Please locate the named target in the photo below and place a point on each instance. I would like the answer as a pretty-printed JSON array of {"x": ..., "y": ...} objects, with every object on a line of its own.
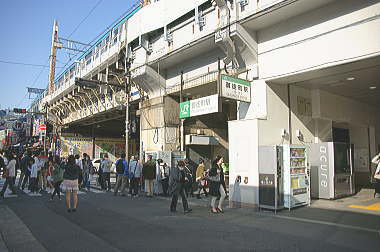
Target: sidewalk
[
  {"x": 15, "y": 235},
  {"x": 362, "y": 202}
]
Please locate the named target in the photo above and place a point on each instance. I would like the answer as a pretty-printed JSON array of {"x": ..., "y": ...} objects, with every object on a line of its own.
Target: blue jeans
[{"x": 86, "y": 180}]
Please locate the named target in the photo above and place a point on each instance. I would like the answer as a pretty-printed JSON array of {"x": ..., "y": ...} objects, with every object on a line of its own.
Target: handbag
[{"x": 377, "y": 176}]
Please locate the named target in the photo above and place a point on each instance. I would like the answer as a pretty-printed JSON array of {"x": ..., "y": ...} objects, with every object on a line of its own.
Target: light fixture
[
  {"x": 350, "y": 78},
  {"x": 372, "y": 88}
]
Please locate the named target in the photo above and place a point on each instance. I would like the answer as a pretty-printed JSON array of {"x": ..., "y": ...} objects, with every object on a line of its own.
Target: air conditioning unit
[
  {"x": 150, "y": 48},
  {"x": 243, "y": 3},
  {"x": 169, "y": 37},
  {"x": 202, "y": 21},
  {"x": 133, "y": 56}
]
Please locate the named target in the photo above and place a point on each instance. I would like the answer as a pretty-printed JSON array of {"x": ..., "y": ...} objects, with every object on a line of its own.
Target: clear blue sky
[{"x": 26, "y": 27}]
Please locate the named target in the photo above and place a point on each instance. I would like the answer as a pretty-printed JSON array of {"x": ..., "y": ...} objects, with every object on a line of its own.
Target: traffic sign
[{"x": 43, "y": 127}]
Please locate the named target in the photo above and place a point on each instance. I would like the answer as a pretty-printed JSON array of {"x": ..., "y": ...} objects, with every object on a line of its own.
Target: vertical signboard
[{"x": 235, "y": 88}]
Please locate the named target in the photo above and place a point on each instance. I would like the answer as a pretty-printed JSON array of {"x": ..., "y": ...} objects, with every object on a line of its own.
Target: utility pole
[
  {"x": 53, "y": 56},
  {"x": 182, "y": 129},
  {"x": 127, "y": 85}
]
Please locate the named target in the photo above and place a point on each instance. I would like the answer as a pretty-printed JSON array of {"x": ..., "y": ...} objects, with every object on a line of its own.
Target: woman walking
[
  {"x": 70, "y": 183},
  {"x": 216, "y": 177},
  {"x": 57, "y": 177},
  {"x": 376, "y": 160}
]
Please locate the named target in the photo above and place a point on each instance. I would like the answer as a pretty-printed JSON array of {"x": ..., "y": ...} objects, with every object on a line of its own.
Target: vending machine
[
  {"x": 331, "y": 170},
  {"x": 296, "y": 176},
  {"x": 271, "y": 195}
]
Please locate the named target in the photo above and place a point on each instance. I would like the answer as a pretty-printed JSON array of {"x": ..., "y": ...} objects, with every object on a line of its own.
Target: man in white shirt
[
  {"x": 33, "y": 185},
  {"x": 10, "y": 174}
]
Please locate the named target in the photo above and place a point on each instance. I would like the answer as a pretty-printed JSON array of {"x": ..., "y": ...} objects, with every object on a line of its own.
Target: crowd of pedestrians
[{"x": 54, "y": 174}]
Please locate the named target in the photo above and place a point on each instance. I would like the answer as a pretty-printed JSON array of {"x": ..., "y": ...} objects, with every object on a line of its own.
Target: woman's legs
[
  {"x": 68, "y": 197},
  {"x": 59, "y": 189},
  {"x": 55, "y": 190},
  {"x": 213, "y": 203},
  {"x": 75, "y": 196},
  {"x": 222, "y": 197}
]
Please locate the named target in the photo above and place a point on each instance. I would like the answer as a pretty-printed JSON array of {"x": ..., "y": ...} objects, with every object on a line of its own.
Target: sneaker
[
  {"x": 173, "y": 210},
  {"x": 188, "y": 210},
  {"x": 73, "y": 210},
  {"x": 69, "y": 210}
]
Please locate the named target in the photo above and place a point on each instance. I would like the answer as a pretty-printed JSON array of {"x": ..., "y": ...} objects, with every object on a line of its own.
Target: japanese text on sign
[{"x": 234, "y": 88}]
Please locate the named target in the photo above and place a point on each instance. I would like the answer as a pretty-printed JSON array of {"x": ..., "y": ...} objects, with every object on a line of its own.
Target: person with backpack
[
  {"x": 57, "y": 177},
  {"x": 9, "y": 174},
  {"x": 122, "y": 175}
]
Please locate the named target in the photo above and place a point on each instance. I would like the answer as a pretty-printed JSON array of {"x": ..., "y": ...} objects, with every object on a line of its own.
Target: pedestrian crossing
[{"x": 8, "y": 192}]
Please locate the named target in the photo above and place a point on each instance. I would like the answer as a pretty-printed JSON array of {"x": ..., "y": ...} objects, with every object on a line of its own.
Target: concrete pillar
[{"x": 159, "y": 124}]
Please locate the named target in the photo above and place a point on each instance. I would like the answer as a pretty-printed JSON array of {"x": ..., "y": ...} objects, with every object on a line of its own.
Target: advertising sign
[
  {"x": 201, "y": 106},
  {"x": 234, "y": 88},
  {"x": 75, "y": 145}
]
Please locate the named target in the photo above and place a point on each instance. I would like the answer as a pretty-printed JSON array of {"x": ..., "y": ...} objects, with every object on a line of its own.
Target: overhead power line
[
  {"x": 85, "y": 18},
  {"x": 33, "y": 84},
  {"x": 23, "y": 64},
  {"x": 76, "y": 28}
]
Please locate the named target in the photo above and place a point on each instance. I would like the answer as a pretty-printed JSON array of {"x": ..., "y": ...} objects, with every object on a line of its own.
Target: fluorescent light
[
  {"x": 372, "y": 88},
  {"x": 350, "y": 78}
]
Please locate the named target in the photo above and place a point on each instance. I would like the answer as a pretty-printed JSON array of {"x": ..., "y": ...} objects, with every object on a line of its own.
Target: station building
[{"x": 311, "y": 69}]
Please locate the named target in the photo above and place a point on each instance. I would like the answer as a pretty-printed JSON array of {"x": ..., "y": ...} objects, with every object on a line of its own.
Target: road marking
[
  {"x": 328, "y": 223},
  {"x": 96, "y": 191},
  {"x": 10, "y": 195},
  {"x": 375, "y": 207}
]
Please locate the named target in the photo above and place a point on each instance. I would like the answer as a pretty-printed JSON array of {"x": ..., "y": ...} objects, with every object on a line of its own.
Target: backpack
[{"x": 119, "y": 166}]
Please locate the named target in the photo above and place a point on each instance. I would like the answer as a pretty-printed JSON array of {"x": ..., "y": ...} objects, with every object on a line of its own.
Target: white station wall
[
  {"x": 243, "y": 162},
  {"x": 339, "y": 32}
]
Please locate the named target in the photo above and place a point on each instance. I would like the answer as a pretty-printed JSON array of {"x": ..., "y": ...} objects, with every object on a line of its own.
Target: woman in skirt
[
  {"x": 217, "y": 185},
  {"x": 70, "y": 183},
  {"x": 376, "y": 160}
]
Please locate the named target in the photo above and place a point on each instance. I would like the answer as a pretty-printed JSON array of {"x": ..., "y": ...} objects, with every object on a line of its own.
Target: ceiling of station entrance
[{"x": 358, "y": 80}]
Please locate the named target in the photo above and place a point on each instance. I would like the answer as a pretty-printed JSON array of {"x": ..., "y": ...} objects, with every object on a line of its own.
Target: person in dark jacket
[
  {"x": 57, "y": 177},
  {"x": 70, "y": 183},
  {"x": 177, "y": 180},
  {"x": 149, "y": 174},
  {"x": 25, "y": 173},
  {"x": 217, "y": 185}
]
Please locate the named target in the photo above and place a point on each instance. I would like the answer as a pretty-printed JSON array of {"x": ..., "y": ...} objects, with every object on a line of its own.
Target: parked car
[{"x": 96, "y": 164}]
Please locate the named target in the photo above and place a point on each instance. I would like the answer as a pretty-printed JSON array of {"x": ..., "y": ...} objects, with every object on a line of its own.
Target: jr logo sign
[{"x": 184, "y": 109}]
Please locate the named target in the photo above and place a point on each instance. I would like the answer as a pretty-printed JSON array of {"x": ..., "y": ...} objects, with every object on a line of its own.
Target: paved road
[{"x": 108, "y": 223}]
